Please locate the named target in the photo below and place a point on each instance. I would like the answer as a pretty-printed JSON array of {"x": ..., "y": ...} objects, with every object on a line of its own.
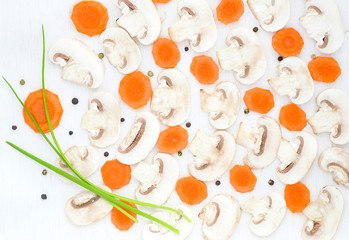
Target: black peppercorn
[
  {"x": 71, "y": 133},
  {"x": 280, "y": 58},
  {"x": 14, "y": 127},
  {"x": 255, "y": 29},
  {"x": 122, "y": 119},
  {"x": 218, "y": 182},
  {"x": 271, "y": 182},
  {"x": 43, "y": 196},
  {"x": 75, "y": 101},
  {"x": 106, "y": 154},
  {"x": 188, "y": 124},
  {"x": 186, "y": 49}
]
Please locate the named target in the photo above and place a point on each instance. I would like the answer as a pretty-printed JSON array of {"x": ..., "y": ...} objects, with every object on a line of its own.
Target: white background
[{"x": 23, "y": 215}]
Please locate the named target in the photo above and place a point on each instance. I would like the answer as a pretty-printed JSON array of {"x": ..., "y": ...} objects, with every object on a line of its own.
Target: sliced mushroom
[
  {"x": 244, "y": 55},
  {"x": 120, "y": 49},
  {"x": 212, "y": 155},
  {"x": 267, "y": 213},
  {"x": 80, "y": 63},
  {"x": 262, "y": 142},
  {"x": 87, "y": 207},
  {"x": 171, "y": 99},
  {"x": 102, "y": 120},
  {"x": 294, "y": 81},
  {"x": 323, "y": 215},
  {"x": 140, "y": 140},
  {"x": 223, "y": 105},
  {"x": 323, "y": 23},
  {"x": 196, "y": 25},
  {"x": 219, "y": 217},
  {"x": 140, "y": 19},
  {"x": 332, "y": 115}
]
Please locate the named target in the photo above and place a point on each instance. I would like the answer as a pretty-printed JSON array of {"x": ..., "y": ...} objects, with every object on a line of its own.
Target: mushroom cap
[
  {"x": 267, "y": 213},
  {"x": 212, "y": 155},
  {"x": 223, "y": 105},
  {"x": 244, "y": 55},
  {"x": 140, "y": 140},
  {"x": 296, "y": 157},
  {"x": 323, "y": 215},
  {"x": 171, "y": 99},
  {"x": 120, "y": 49},
  {"x": 219, "y": 217},
  {"x": 196, "y": 25},
  {"x": 294, "y": 80},
  {"x": 102, "y": 120},
  {"x": 79, "y": 62}
]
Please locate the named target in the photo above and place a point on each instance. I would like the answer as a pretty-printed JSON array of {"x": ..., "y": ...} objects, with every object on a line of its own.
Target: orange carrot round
[
  {"x": 90, "y": 17},
  {"x": 120, "y": 220},
  {"x": 324, "y": 69},
  {"x": 161, "y": 1},
  {"x": 287, "y": 42},
  {"x": 229, "y": 11},
  {"x": 297, "y": 197},
  {"x": 172, "y": 140},
  {"x": 204, "y": 69},
  {"x": 259, "y": 100},
  {"x": 242, "y": 178},
  {"x": 166, "y": 53},
  {"x": 191, "y": 191},
  {"x": 35, "y": 105},
  {"x": 292, "y": 117},
  {"x": 115, "y": 174}
]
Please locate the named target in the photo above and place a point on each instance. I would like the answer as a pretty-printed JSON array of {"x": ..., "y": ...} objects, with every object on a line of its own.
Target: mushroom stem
[
  {"x": 211, "y": 102},
  {"x": 324, "y": 121},
  {"x": 284, "y": 85},
  {"x": 184, "y": 29},
  {"x": 230, "y": 58},
  {"x": 249, "y": 137}
]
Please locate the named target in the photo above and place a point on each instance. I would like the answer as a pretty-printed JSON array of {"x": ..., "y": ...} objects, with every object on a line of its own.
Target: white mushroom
[
  {"x": 323, "y": 215},
  {"x": 80, "y": 63},
  {"x": 219, "y": 217},
  {"x": 196, "y": 25},
  {"x": 120, "y": 49},
  {"x": 223, "y": 105},
  {"x": 332, "y": 115},
  {"x": 140, "y": 19},
  {"x": 323, "y": 23},
  {"x": 336, "y": 161},
  {"x": 212, "y": 155},
  {"x": 294, "y": 81},
  {"x": 296, "y": 157},
  {"x": 244, "y": 55},
  {"x": 262, "y": 142},
  {"x": 140, "y": 140},
  {"x": 267, "y": 213},
  {"x": 102, "y": 119},
  {"x": 87, "y": 207},
  {"x": 171, "y": 99}
]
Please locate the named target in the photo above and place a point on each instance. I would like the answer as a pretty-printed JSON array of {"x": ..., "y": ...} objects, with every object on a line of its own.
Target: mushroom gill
[
  {"x": 218, "y": 212},
  {"x": 314, "y": 229},
  {"x": 263, "y": 141},
  {"x": 85, "y": 203},
  {"x": 136, "y": 139}
]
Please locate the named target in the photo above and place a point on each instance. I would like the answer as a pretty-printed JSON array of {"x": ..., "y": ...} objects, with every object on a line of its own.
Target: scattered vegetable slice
[
  {"x": 191, "y": 191},
  {"x": 204, "y": 69},
  {"x": 259, "y": 100},
  {"x": 324, "y": 69},
  {"x": 115, "y": 174},
  {"x": 297, "y": 197},
  {"x": 229, "y": 11},
  {"x": 288, "y": 42},
  {"x": 172, "y": 140},
  {"x": 292, "y": 117},
  {"x": 120, "y": 221},
  {"x": 166, "y": 53},
  {"x": 242, "y": 178}
]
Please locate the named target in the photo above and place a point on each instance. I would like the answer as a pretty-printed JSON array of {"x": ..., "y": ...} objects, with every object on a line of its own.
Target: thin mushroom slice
[
  {"x": 332, "y": 115},
  {"x": 102, "y": 120},
  {"x": 294, "y": 81},
  {"x": 79, "y": 63},
  {"x": 223, "y": 105},
  {"x": 323, "y": 215},
  {"x": 244, "y": 55},
  {"x": 262, "y": 142},
  {"x": 220, "y": 217}
]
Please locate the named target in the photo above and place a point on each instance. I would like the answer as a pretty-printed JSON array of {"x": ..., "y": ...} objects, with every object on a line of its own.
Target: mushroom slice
[
  {"x": 223, "y": 105},
  {"x": 121, "y": 50},
  {"x": 272, "y": 15},
  {"x": 244, "y": 55},
  {"x": 323, "y": 23},
  {"x": 87, "y": 207},
  {"x": 336, "y": 161},
  {"x": 296, "y": 157},
  {"x": 102, "y": 119},
  {"x": 267, "y": 213},
  {"x": 323, "y": 215},
  {"x": 140, "y": 140},
  {"x": 196, "y": 25},
  {"x": 171, "y": 99},
  {"x": 262, "y": 142},
  {"x": 140, "y": 19},
  {"x": 219, "y": 217},
  {"x": 332, "y": 115},
  {"x": 294, "y": 81},
  {"x": 212, "y": 155},
  {"x": 80, "y": 63}
]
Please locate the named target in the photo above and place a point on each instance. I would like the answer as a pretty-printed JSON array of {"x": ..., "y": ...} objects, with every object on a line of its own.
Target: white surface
[{"x": 23, "y": 215}]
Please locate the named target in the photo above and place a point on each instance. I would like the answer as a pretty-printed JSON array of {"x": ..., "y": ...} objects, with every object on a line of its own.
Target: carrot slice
[
  {"x": 35, "y": 105},
  {"x": 135, "y": 89},
  {"x": 292, "y": 117},
  {"x": 324, "y": 69},
  {"x": 242, "y": 178},
  {"x": 297, "y": 197},
  {"x": 172, "y": 140},
  {"x": 161, "y": 1},
  {"x": 204, "y": 69},
  {"x": 229, "y": 11},
  {"x": 288, "y": 42},
  {"x": 90, "y": 17},
  {"x": 191, "y": 191},
  {"x": 120, "y": 220},
  {"x": 115, "y": 174},
  {"x": 166, "y": 53},
  {"x": 259, "y": 100}
]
